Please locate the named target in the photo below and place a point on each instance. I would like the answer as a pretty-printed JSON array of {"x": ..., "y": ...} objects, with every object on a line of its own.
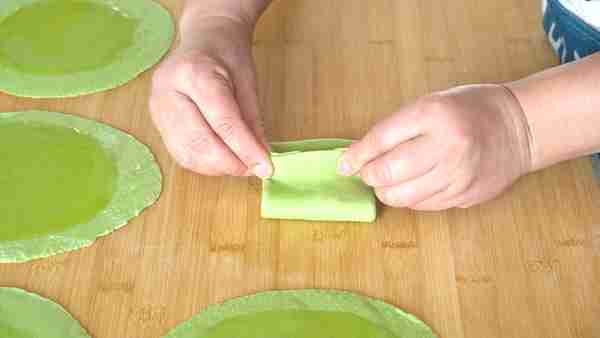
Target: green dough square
[{"x": 306, "y": 186}]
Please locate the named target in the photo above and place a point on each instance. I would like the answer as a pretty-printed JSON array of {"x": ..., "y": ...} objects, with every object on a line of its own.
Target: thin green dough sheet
[
  {"x": 65, "y": 181},
  {"x": 64, "y": 48},
  {"x": 27, "y": 315},
  {"x": 306, "y": 186},
  {"x": 303, "y": 314}
]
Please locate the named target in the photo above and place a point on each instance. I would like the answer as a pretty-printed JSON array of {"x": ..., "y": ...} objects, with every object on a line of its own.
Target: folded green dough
[{"x": 306, "y": 186}]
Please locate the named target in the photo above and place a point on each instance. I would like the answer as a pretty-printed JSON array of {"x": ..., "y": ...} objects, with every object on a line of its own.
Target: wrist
[
  {"x": 216, "y": 15},
  {"x": 519, "y": 124},
  {"x": 198, "y": 26},
  {"x": 217, "y": 34},
  {"x": 561, "y": 108}
]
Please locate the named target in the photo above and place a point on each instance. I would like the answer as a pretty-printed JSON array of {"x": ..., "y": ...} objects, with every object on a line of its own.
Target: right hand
[
  {"x": 455, "y": 148},
  {"x": 204, "y": 102}
]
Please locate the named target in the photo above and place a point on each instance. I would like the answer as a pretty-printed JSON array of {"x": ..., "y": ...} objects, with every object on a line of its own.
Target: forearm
[
  {"x": 197, "y": 13},
  {"x": 562, "y": 108}
]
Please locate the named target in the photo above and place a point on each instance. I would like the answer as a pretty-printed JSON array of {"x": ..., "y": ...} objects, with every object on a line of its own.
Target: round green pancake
[
  {"x": 303, "y": 314},
  {"x": 66, "y": 181},
  {"x": 27, "y": 315},
  {"x": 63, "y": 48}
]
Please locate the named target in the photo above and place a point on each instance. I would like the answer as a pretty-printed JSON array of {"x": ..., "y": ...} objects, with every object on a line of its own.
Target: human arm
[{"x": 562, "y": 108}]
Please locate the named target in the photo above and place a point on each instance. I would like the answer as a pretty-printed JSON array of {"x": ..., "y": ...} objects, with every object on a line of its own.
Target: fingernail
[
  {"x": 344, "y": 168},
  {"x": 262, "y": 171}
]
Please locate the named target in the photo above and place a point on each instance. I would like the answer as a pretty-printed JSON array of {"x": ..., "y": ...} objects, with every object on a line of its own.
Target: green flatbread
[
  {"x": 27, "y": 315},
  {"x": 303, "y": 314},
  {"x": 64, "y": 48},
  {"x": 66, "y": 181},
  {"x": 306, "y": 186}
]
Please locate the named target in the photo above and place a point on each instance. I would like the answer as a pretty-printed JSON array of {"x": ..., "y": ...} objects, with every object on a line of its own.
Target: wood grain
[{"x": 524, "y": 265}]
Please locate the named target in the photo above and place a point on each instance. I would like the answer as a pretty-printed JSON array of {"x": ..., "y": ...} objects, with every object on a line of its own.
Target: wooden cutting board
[{"x": 524, "y": 265}]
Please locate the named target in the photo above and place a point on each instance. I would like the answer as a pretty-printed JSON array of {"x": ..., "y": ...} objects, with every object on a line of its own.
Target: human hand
[
  {"x": 204, "y": 102},
  {"x": 455, "y": 148}
]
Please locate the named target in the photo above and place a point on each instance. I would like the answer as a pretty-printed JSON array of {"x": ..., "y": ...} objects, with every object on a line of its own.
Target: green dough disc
[
  {"x": 305, "y": 184},
  {"x": 303, "y": 314},
  {"x": 66, "y": 181},
  {"x": 27, "y": 315},
  {"x": 64, "y": 48}
]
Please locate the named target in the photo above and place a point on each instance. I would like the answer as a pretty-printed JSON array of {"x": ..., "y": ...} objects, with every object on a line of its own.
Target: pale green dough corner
[
  {"x": 70, "y": 181},
  {"x": 303, "y": 314},
  {"x": 96, "y": 45},
  {"x": 306, "y": 186},
  {"x": 27, "y": 315}
]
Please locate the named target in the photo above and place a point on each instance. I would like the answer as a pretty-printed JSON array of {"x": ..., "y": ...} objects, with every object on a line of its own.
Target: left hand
[
  {"x": 455, "y": 148},
  {"x": 204, "y": 101}
]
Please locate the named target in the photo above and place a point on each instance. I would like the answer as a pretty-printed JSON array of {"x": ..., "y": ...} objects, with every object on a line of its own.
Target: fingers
[
  {"x": 464, "y": 195},
  {"x": 414, "y": 191},
  {"x": 189, "y": 138},
  {"x": 449, "y": 184},
  {"x": 406, "y": 161},
  {"x": 385, "y": 136},
  {"x": 452, "y": 197},
  {"x": 213, "y": 93}
]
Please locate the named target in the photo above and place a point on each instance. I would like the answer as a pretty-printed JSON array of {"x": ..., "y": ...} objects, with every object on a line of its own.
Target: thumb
[{"x": 382, "y": 138}]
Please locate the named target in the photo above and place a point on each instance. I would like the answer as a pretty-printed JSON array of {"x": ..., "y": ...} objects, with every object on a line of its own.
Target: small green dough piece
[
  {"x": 306, "y": 186},
  {"x": 96, "y": 44},
  {"x": 303, "y": 314},
  {"x": 66, "y": 181},
  {"x": 27, "y": 315}
]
